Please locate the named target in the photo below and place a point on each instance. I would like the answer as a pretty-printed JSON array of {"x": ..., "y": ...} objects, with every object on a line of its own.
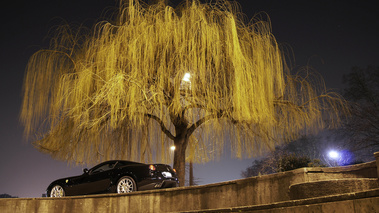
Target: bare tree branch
[{"x": 162, "y": 125}]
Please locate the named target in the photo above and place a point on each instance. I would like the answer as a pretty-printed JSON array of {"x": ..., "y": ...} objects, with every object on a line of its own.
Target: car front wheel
[
  {"x": 126, "y": 184},
  {"x": 57, "y": 191}
]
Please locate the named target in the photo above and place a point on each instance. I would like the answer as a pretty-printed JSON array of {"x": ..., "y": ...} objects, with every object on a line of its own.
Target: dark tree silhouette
[
  {"x": 7, "y": 196},
  {"x": 362, "y": 128}
]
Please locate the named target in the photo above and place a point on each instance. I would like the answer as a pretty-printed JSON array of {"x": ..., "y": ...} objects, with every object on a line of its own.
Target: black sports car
[{"x": 115, "y": 176}]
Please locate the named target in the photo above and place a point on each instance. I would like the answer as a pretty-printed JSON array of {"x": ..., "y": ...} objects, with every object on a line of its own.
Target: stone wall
[{"x": 360, "y": 202}]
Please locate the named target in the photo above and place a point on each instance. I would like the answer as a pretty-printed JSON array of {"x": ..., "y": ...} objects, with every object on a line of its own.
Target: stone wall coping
[
  {"x": 348, "y": 168},
  {"x": 337, "y": 180}
]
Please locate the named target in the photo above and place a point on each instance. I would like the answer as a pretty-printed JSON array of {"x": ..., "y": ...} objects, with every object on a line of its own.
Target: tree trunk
[{"x": 180, "y": 159}]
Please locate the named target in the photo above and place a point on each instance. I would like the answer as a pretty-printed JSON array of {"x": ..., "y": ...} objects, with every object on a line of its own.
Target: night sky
[{"x": 330, "y": 36}]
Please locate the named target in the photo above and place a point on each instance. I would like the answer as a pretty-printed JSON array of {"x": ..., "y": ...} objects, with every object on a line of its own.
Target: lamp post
[
  {"x": 172, "y": 150},
  {"x": 186, "y": 85}
]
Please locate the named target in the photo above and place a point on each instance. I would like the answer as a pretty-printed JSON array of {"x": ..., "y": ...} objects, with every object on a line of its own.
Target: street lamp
[
  {"x": 187, "y": 77},
  {"x": 186, "y": 82},
  {"x": 334, "y": 154}
]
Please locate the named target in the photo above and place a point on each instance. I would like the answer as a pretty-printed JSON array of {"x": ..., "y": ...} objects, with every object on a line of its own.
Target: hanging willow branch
[{"x": 99, "y": 95}]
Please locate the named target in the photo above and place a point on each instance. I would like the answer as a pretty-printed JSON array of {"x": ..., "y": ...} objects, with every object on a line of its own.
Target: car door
[
  {"x": 97, "y": 183},
  {"x": 97, "y": 180}
]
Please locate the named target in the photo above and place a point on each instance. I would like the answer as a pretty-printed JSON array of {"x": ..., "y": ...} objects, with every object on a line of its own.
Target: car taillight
[{"x": 152, "y": 167}]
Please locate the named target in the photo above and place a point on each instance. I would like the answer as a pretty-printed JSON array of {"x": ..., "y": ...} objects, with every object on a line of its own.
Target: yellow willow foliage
[{"x": 118, "y": 91}]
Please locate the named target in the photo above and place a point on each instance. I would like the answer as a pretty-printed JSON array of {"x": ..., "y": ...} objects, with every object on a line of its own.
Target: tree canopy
[{"x": 117, "y": 90}]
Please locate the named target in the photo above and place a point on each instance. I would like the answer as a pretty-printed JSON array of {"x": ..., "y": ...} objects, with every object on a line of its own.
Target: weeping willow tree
[{"x": 154, "y": 76}]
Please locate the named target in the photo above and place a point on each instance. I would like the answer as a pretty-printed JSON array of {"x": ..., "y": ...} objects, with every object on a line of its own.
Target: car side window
[{"x": 103, "y": 168}]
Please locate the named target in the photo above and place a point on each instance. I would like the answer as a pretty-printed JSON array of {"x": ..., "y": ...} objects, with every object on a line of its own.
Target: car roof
[{"x": 121, "y": 161}]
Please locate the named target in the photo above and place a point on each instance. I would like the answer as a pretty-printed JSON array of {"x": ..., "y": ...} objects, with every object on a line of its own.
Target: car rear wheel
[
  {"x": 57, "y": 191},
  {"x": 126, "y": 184}
]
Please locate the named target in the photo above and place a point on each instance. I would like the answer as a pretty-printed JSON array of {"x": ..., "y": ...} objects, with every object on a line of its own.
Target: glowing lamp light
[
  {"x": 186, "y": 77},
  {"x": 172, "y": 148},
  {"x": 334, "y": 154}
]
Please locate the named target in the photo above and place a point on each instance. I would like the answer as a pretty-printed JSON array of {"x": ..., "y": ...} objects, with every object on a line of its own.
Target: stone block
[
  {"x": 338, "y": 207},
  {"x": 368, "y": 205}
]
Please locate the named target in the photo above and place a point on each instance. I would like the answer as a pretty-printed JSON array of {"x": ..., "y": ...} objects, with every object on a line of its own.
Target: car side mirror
[{"x": 85, "y": 171}]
